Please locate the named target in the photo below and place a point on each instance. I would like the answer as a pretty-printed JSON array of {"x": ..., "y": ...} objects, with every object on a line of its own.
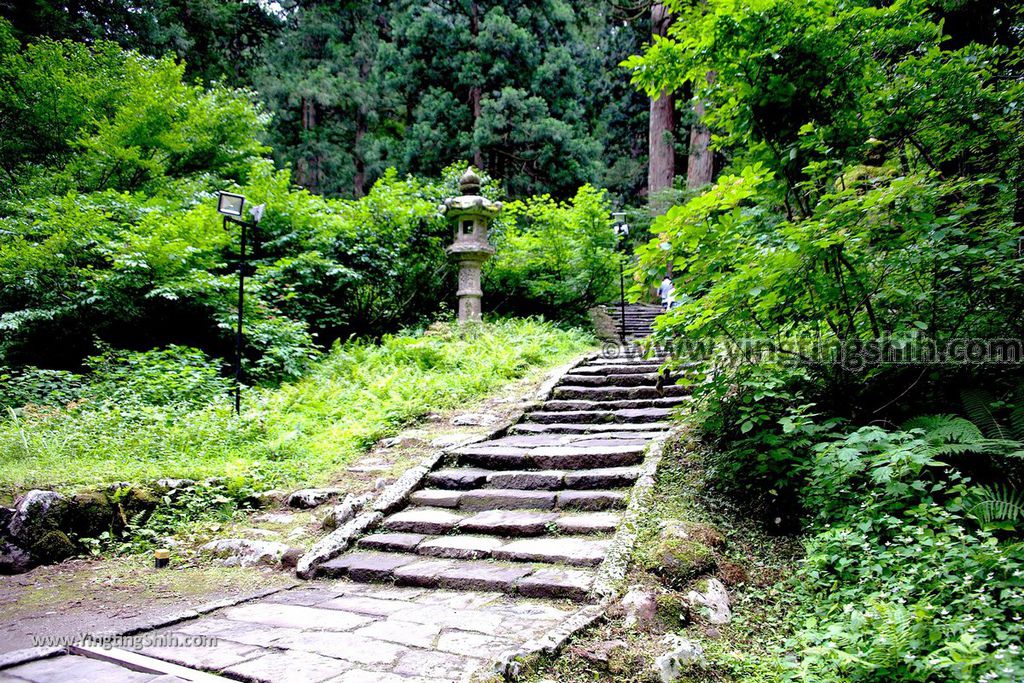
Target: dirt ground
[{"x": 92, "y": 596}]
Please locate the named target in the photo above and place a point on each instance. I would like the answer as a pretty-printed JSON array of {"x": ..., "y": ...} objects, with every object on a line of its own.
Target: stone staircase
[
  {"x": 531, "y": 511},
  {"x": 639, "y": 319}
]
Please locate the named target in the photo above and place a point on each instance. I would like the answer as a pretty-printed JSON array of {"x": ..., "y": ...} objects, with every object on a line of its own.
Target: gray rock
[
  {"x": 37, "y": 513},
  {"x": 474, "y": 420},
  {"x": 681, "y": 655},
  {"x": 14, "y": 560},
  {"x": 167, "y": 485},
  {"x": 347, "y": 509},
  {"x": 449, "y": 440},
  {"x": 271, "y": 498},
  {"x": 6, "y": 515},
  {"x": 714, "y": 598},
  {"x": 311, "y": 498},
  {"x": 242, "y": 552},
  {"x": 639, "y": 607}
]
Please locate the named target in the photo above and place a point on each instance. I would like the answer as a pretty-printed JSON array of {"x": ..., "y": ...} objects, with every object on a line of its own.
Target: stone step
[
  {"x": 613, "y": 369},
  {"x": 653, "y": 428},
  {"x": 632, "y": 379},
  {"x": 596, "y": 416},
  {"x": 479, "y": 575},
  {"x": 591, "y": 393},
  {"x": 519, "y": 499},
  {"x": 578, "y": 551},
  {"x": 549, "y": 480},
  {"x": 618, "y": 453},
  {"x": 426, "y": 522},
  {"x": 627, "y": 404}
]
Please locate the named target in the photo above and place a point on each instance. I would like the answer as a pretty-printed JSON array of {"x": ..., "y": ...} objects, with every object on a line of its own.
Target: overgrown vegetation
[
  {"x": 866, "y": 225},
  {"x": 166, "y": 414}
]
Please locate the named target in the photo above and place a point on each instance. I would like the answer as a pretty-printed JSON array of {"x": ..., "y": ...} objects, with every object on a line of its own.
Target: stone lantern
[{"x": 470, "y": 215}]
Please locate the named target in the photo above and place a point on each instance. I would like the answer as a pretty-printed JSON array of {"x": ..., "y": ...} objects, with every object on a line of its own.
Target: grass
[{"x": 302, "y": 432}]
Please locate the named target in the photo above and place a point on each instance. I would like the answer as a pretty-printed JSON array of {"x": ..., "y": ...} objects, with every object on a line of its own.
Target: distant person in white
[{"x": 667, "y": 292}]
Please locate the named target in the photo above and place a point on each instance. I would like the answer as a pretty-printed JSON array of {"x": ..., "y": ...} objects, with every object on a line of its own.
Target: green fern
[
  {"x": 978, "y": 405},
  {"x": 1017, "y": 415},
  {"x": 997, "y": 506},
  {"x": 952, "y": 435}
]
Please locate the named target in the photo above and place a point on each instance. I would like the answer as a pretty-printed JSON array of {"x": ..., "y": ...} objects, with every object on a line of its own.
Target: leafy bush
[
  {"x": 159, "y": 377},
  {"x": 554, "y": 258},
  {"x": 38, "y": 386}
]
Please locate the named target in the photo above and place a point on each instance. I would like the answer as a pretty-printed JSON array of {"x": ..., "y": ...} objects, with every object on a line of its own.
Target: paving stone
[
  {"x": 435, "y": 498},
  {"x": 507, "y": 499},
  {"x": 471, "y": 644},
  {"x": 403, "y": 593},
  {"x": 463, "y": 547},
  {"x": 440, "y": 665},
  {"x": 458, "y": 478},
  {"x": 591, "y": 393},
  {"x": 605, "y": 477},
  {"x": 365, "y": 566},
  {"x": 531, "y": 479},
  {"x": 625, "y": 379},
  {"x": 295, "y": 616},
  {"x": 289, "y": 667},
  {"x": 508, "y": 522},
  {"x": 364, "y": 604},
  {"x": 303, "y": 595},
  {"x": 364, "y": 676},
  {"x": 402, "y": 632},
  {"x": 392, "y": 543},
  {"x": 422, "y": 521},
  {"x": 70, "y": 669},
  {"x": 591, "y": 500},
  {"x": 346, "y": 646},
  {"x": 486, "y": 620},
  {"x": 556, "y": 550},
  {"x": 214, "y": 658},
  {"x": 463, "y": 599},
  {"x": 422, "y": 573},
  {"x": 247, "y": 633},
  {"x": 470, "y": 575},
  {"x": 557, "y": 583},
  {"x": 590, "y": 523}
]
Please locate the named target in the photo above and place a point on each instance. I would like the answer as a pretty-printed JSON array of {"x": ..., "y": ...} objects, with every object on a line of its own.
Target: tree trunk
[
  {"x": 700, "y": 169},
  {"x": 362, "y": 113},
  {"x": 661, "y": 167},
  {"x": 307, "y": 169},
  {"x": 475, "y": 92}
]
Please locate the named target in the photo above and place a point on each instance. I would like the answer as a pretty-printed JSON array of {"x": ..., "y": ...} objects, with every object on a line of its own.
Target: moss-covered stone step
[
  {"x": 627, "y": 404},
  {"x": 436, "y": 521},
  {"x": 630, "y": 379},
  {"x": 550, "y": 480},
  {"x": 618, "y": 453},
  {"x": 650, "y": 428},
  {"x": 618, "y": 393},
  {"x": 598, "y": 416},
  {"x": 569, "y": 550},
  {"x": 507, "y": 577},
  {"x": 519, "y": 499}
]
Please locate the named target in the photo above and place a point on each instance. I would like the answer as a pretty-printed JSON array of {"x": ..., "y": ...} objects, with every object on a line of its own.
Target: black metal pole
[{"x": 238, "y": 336}]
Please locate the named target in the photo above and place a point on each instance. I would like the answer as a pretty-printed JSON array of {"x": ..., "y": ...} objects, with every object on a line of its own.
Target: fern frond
[
  {"x": 978, "y": 405},
  {"x": 1016, "y": 419},
  {"x": 997, "y": 505}
]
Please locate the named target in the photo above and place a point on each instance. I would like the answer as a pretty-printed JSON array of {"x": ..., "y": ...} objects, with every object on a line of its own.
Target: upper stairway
[
  {"x": 531, "y": 511},
  {"x": 639, "y": 319}
]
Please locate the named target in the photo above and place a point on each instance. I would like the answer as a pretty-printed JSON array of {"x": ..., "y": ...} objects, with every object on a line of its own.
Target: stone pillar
[{"x": 470, "y": 215}]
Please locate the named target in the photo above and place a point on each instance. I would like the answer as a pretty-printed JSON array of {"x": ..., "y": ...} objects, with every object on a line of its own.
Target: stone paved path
[{"x": 497, "y": 547}]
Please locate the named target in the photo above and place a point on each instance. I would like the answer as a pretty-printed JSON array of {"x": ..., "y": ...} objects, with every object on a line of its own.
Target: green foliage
[
  {"x": 554, "y": 258},
  {"x": 302, "y": 432},
  {"x": 35, "y": 385},
  {"x": 159, "y": 377}
]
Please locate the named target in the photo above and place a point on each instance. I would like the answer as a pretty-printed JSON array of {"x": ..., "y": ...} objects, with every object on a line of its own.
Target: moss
[
  {"x": 54, "y": 546},
  {"x": 677, "y": 560},
  {"x": 673, "y": 610},
  {"x": 90, "y": 513}
]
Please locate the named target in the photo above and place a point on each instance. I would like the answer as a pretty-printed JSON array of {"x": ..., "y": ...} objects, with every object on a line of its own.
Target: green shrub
[
  {"x": 174, "y": 375},
  {"x": 38, "y": 386}
]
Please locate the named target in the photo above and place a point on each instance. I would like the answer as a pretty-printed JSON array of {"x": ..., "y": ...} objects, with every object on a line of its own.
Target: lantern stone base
[{"x": 470, "y": 292}]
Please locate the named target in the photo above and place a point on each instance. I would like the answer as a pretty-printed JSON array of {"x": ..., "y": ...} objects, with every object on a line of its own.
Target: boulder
[
  {"x": 607, "y": 654},
  {"x": 291, "y": 557},
  {"x": 14, "y": 560},
  {"x": 242, "y": 552},
  {"x": 680, "y": 655},
  {"x": 311, "y": 498},
  {"x": 53, "y": 546},
  {"x": 35, "y": 514},
  {"x": 6, "y": 515},
  {"x": 474, "y": 420},
  {"x": 693, "y": 531},
  {"x": 678, "y": 560},
  {"x": 266, "y": 499},
  {"x": 168, "y": 486},
  {"x": 348, "y": 508},
  {"x": 712, "y": 599},
  {"x": 639, "y": 608},
  {"x": 90, "y": 513}
]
